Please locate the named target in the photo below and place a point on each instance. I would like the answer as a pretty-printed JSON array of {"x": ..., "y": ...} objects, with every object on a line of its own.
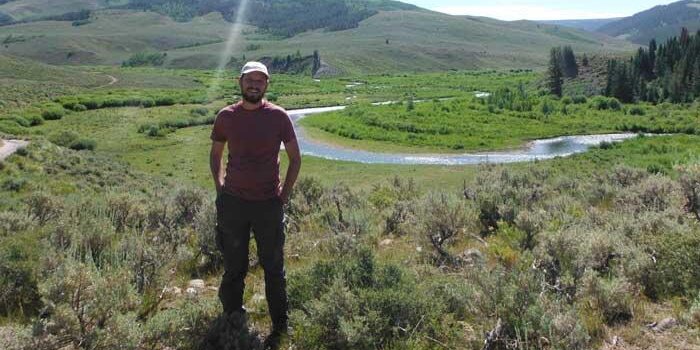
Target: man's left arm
[{"x": 294, "y": 156}]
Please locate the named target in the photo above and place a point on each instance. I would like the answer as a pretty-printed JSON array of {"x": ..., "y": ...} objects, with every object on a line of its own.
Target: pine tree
[
  {"x": 685, "y": 37},
  {"x": 584, "y": 60},
  {"x": 652, "y": 53},
  {"x": 568, "y": 61},
  {"x": 696, "y": 77},
  {"x": 555, "y": 74},
  {"x": 611, "y": 77},
  {"x": 317, "y": 63}
]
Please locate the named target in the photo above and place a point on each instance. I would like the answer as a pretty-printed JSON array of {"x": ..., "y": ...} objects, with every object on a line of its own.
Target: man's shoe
[{"x": 274, "y": 340}]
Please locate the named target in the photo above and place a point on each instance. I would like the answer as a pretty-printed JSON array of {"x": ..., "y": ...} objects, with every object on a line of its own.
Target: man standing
[{"x": 250, "y": 194}]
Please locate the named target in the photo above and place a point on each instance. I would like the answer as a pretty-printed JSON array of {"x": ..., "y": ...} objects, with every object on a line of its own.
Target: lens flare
[{"x": 233, "y": 35}]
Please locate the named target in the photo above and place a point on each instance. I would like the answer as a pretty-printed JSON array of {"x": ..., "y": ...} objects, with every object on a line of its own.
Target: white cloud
[{"x": 516, "y": 12}]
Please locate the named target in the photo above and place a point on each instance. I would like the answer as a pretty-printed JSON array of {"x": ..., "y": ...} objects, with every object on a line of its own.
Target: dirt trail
[
  {"x": 113, "y": 81},
  {"x": 11, "y": 146}
]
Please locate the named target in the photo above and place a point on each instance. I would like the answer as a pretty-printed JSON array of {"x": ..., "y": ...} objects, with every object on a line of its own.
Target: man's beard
[{"x": 253, "y": 98}]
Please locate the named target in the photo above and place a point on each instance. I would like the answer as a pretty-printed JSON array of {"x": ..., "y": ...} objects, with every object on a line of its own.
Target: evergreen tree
[
  {"x": 568, "y": 61},
  {"x": 685, "y": 37},
  {"x": 611, "y": 78},
  {"x": 696, "y": 78},
  {"x": 584, "y": 60},
  {"x": 555, "y": 74},
  {"x": 652, "y": 54},
  {"x": 316, "y": 63}
]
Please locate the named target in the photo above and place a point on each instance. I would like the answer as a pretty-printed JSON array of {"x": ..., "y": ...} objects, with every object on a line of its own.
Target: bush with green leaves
[
  {"x": 444, "y": 219},
  {"x": 357, "y": 303},
  {"x": 53, "y": 113},
  {"x": 84, "y": 298},
  {"x": 19, "y": 295},
  {"x": 690, "y": 185},
  {"x": 145, "y": 59}
]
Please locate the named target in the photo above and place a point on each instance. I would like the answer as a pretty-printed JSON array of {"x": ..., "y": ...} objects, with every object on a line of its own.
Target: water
[{"x": 536, "y": 150}]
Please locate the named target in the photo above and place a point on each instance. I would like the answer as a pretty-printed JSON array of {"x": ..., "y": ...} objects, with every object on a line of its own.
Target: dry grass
[{"x": 638, "y": 336}]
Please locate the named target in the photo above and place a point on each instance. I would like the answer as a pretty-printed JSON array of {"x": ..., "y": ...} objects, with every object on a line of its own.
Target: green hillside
[
  {"x": 660, "y": 22},
  {"x": 398, "y": 40},
  {"x": 20, "y": 10}
]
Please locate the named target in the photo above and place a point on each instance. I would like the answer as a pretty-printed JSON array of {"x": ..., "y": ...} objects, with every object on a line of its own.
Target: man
[{"x": 249, "y": 192}]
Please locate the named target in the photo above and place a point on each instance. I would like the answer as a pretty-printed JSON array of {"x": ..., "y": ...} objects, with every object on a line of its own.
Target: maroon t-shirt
[{"x": 253, "y": 138}]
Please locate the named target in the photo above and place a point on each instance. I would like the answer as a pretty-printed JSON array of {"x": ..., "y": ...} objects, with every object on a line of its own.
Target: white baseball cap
[{"x": 254, "y": 66}]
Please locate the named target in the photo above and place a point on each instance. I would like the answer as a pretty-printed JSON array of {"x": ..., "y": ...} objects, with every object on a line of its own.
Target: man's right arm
[{"x": 215, "y": 157}]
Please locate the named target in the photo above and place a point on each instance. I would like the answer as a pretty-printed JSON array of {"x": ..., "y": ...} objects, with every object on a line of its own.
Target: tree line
[{"x": 666, "y": 72}]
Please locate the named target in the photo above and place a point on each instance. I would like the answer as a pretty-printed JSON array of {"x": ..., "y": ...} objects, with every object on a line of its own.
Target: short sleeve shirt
[{"x": 253, "y": 138}]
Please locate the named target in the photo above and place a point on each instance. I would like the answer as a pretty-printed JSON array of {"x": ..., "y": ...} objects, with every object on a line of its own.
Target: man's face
[{"x": 253, "y": 86}]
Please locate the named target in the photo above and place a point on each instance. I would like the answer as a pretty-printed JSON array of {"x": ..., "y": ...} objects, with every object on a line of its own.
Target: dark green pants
[{"x": 235, "y": 218}]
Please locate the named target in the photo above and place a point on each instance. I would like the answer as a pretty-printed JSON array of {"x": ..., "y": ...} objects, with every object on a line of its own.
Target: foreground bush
[{"x": 356, "y": 303}]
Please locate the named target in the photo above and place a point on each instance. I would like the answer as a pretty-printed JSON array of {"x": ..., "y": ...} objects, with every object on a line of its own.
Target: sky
[{"x": 540, "y": 9}]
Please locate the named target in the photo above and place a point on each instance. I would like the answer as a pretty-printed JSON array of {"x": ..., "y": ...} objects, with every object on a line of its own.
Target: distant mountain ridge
[
  {"x": 660, "y": 22},
  {"x": 394, "y": 37},
  {"x": 590, "y": 25}
]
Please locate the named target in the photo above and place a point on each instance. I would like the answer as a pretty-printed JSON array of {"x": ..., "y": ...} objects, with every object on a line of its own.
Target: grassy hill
[
  {"x": 590, "y": 25},
  {"x": 394, "y": 41},
  {"x": 20, "y": 10},
  {"x": 660, "y": 22}
]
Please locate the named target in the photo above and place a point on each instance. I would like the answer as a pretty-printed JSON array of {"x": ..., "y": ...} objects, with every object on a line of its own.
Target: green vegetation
[
  {"x": 419, "y": 41},
  {"x": 506, "y": 119},
  {"x": 109, "y": 213},
  {"x": 280, "y": 17},
  {"x": 669, "y": 72},
  {"x": 559, "y": 250},
  {"x": 145, "y": 59}
]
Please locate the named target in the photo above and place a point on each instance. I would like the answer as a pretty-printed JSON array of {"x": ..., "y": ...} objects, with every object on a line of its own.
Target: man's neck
[{"x": 252, "y": 106}]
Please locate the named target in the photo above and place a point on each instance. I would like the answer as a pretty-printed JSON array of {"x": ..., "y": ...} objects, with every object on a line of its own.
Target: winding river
[{"x": 539, "y": 149}]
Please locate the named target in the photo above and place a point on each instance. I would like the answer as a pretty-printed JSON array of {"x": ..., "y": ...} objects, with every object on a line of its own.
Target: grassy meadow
[{"x": 109, "y": 213}]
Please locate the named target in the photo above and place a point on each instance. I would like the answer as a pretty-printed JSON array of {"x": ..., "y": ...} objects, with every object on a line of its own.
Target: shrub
[
  {"x": 85, "y": 298},
  {"x": 356, "y": 303},
  {"x": 18, "y": 284},
  {"x": 14, "y": 184},
  {"x": 53, "y": 114},
  {"x": 199, "y": 111},
  {"x": 610, "y": 298},
  {"x": 92, "y": 104},
  {"x": 64, "y": 138},
  {"x": 145, "y": 59},
  {"x": 147, "y": 102},
  {"x": 605, "y": 103},
  {"x": 675, "y": 272},
  {"x": 655, "y": 193},
  {"x": 43, "y": 207},
  {"x": 205, "y": 228},
  {"x": 188, "y": 202},
  {"x": 443, "y": 219},
  {"x": 83, "y": 144},
  {"x": 193, "y": 324},
  {"x": 579, "y": 99},
  {"x": 22, "y": 121},
  {"x": 126, "y": 211},
  {"x": 12, "y": 222},
  {"x": 164, "y": 101},
  {"x": 690, "y": 185},
  {"x": 35, "y": 119},
  {"x": 636, "y": 110}
]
